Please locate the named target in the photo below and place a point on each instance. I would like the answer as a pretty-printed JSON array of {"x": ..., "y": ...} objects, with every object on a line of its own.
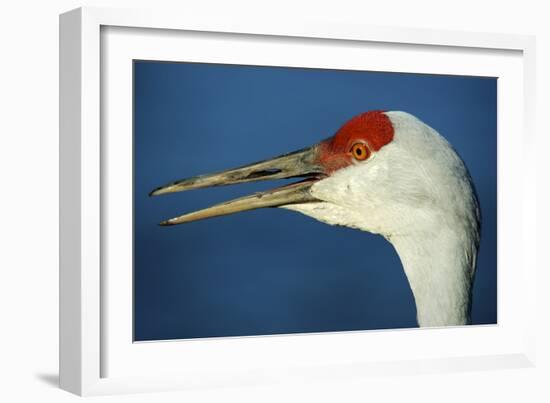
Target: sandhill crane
[{"x": 387, "y": 173}]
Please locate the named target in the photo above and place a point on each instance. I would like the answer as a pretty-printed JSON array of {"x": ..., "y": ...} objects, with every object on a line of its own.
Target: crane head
[{"x": 378, "y": 173}]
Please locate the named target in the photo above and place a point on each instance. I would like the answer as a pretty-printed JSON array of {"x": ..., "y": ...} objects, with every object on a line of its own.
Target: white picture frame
[{"x": 97, "y": 357}]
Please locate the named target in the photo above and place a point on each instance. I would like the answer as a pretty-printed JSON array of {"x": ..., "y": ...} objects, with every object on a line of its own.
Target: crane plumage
[{"x": 387, "y": 173}]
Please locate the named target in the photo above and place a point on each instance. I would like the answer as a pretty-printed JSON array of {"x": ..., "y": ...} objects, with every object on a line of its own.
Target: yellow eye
[{"x": 360, "y": 151}]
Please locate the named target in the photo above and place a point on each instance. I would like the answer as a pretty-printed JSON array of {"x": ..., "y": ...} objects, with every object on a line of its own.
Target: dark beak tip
[{"x": 154, "y": 192}]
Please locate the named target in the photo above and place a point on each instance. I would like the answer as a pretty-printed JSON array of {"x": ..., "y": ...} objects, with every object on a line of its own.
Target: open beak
[{"x": 299, "y": 164}]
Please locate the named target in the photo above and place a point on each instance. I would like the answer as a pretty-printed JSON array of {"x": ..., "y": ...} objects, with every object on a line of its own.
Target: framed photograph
[{"x": 253, "y": 202}]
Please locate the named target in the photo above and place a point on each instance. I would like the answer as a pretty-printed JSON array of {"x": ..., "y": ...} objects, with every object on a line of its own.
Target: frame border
[{"x": 80, "y": 307}]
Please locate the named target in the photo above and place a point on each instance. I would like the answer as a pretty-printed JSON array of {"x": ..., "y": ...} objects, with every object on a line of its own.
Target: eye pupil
[{"x": 360, "y": 151}]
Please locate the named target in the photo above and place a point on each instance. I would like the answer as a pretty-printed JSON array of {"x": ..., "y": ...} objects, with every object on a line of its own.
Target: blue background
[{"x": 274, "y": 271}]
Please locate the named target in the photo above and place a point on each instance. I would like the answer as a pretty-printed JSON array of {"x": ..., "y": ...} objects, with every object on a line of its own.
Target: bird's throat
[
  {"x": 439, "y": 262},
  {"x": 440, "y": 270}
]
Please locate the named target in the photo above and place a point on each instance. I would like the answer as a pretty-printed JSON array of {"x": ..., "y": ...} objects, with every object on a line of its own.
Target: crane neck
[{"x": 440, "y": 267}]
